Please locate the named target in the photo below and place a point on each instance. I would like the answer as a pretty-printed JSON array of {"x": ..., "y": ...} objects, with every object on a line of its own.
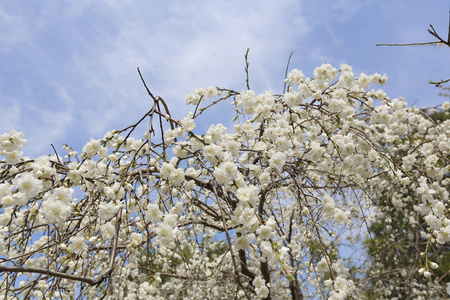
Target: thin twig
[
  {"x": 448, "y": 38},
  {"x": 112, "y": 258},
  {"x": 246, "y": 68},
  {"x": 410, "y": 44},
  {"x": 436, "y": 35},
  {"x": 437, "y": 84},
  {"x": 286, "y": 73},
  {"x": 57, "y": 156},
  {"x": 143, "y": 81}
]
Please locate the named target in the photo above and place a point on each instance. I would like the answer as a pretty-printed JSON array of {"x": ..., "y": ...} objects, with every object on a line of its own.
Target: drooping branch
[{"x": 89, "y": 281}]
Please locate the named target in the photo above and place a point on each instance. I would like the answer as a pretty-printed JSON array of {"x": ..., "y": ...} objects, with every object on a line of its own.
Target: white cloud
[
  {"x": 14, "y": 31},
  {"x": 88, "y": 53},
  {"x": 74, "y": 64}
]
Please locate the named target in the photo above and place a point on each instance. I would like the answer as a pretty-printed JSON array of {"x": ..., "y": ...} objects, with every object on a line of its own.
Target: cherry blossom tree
[
  {"x": 398, "y": 235},
  {"x": 265, "y": 209}
]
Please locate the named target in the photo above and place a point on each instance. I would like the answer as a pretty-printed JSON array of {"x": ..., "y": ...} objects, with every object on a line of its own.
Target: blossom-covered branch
[{"x": 263, "y": 210}]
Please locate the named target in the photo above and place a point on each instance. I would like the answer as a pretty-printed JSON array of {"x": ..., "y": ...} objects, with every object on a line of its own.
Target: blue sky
[{"x": 68, "y": 68}]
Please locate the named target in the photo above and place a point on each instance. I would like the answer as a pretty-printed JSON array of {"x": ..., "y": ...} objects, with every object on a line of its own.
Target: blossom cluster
[{"x": 254, "y": 211}]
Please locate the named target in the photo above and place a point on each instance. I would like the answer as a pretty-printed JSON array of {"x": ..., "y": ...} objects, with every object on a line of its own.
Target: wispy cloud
[{"x": 69, "y": 69}]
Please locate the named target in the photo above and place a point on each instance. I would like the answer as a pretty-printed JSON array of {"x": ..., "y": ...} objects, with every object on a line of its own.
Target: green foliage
[{"x": 397, "y": 252}]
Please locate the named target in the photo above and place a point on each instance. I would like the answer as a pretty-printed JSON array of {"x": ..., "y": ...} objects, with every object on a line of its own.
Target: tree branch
[{"x": 89, "y": 281}]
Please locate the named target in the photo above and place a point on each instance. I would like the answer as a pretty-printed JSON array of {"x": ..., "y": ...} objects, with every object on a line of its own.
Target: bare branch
[{"x": 89, "y": 281}]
